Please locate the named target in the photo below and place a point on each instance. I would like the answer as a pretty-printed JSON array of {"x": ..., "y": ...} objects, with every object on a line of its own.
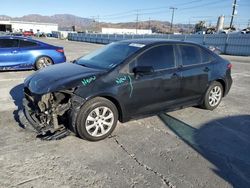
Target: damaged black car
[{"x": 122, "y": 81}]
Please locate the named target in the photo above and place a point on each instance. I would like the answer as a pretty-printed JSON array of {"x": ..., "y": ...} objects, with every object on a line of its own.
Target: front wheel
[
  {"x": 97, "y": 119},
  {"x": 213, "y": 96}
]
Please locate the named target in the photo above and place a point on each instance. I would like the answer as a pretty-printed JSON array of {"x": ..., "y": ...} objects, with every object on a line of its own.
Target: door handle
[
  {"x": 14, "y": 52},
  {"x": 206, "y": 69}
]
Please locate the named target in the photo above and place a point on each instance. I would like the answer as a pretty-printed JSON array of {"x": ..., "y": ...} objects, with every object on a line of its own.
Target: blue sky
[{"x": 123, "y": 11}]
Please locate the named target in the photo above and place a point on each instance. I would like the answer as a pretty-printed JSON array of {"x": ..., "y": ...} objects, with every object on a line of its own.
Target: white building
[
  {"x": 126, "y": 31},
  {"x": 21, "y": 26}
]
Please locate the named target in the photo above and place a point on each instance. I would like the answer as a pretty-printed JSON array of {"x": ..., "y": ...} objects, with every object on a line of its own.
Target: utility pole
[
  {"x": 94, "y": 23},
  {"x": 98, "y": 23},
  {"x": 137, "y": 20},
  {"x": 189, "y": 26},
  {"x": 233, "y": 13},
  {"x": 173, "y": 9},
  {"x": 149, "y": 23}
]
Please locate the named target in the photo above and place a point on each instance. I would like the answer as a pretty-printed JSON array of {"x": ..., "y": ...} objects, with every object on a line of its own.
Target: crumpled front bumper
[{"x": 71, "y": 115}]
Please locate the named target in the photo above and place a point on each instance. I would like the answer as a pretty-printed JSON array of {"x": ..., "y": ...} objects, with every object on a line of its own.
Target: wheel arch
[
  {"x": 223, "y": 83},
  {"x": 117, "y": 104}
]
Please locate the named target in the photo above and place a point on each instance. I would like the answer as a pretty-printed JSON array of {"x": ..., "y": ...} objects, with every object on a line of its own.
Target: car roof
[
  {"x": 19, "y": 37},
  {"x": 26, "y": 38},
  {"x": 14, "y": 37},
  {"x": 153, "y": 41}
]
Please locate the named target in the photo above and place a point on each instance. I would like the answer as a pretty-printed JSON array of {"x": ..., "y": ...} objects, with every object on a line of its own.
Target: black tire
[
  {"x": 38, "y": 62},
  {"x": 207, "y": 101},
  {"x": 87, "y": 111}
]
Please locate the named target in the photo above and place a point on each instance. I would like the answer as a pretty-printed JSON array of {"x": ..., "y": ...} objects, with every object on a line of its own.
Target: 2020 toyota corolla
[
  {"x": 124, "y": 80},
  {"x": 25, "y": 53}
]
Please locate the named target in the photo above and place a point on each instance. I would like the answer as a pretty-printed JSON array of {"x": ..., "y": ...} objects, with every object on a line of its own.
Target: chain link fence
[{"x": 231, "y": 44}]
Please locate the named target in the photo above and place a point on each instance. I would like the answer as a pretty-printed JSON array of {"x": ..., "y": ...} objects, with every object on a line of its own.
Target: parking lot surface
[{"x": 186, "y": 148}]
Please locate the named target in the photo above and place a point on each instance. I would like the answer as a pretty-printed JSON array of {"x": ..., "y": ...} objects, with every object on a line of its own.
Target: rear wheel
[
  {"x": 43, "y": 62},
  {"x": 213, "y": 96},
  {"x": 97, "y": 119}
]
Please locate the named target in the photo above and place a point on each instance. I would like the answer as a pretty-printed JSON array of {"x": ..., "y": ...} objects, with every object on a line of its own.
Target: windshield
[{"x": 109, "y": 56}]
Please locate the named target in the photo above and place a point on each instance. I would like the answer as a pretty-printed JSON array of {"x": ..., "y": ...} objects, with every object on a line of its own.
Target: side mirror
[{"x": 143, "y": 70}]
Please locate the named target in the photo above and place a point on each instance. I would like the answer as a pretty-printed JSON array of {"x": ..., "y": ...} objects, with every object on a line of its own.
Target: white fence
[{"x": 230, "y": 44}]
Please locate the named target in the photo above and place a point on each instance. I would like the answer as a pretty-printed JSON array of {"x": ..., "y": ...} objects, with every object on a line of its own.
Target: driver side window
[{"x": 160, "y": 58}]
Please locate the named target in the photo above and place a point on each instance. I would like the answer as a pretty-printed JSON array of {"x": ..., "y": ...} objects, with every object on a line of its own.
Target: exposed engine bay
[{"x": 48, "y": 113}]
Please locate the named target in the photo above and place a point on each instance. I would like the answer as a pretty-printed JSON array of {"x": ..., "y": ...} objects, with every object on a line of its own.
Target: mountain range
[{"x": 66, "y": 21}]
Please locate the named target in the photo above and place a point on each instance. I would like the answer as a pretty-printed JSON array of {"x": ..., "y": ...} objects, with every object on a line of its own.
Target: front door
[
  {"x": 9, "y": 53},
  {"x": 157, "y": 90}
]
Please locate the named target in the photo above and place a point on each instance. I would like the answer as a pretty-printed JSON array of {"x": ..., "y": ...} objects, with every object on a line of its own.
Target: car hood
[{"x": 59, "y": 77}]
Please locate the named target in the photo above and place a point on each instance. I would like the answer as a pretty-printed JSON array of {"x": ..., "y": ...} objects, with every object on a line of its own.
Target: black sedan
[{"x": 122, "y": 81}]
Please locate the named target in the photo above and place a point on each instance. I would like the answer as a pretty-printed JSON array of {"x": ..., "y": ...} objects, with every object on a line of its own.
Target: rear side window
[
  {"x": 160, "y": 57},
  {"x": 206, "y": 56},
  {"x": 190, "y": 55},
  {"x": 25, "y": 43},
  {"x": 8, "y": 43}
]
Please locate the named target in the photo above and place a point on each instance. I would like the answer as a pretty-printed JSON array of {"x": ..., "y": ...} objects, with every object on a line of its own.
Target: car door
[
  {"x": 195, "y": 71},
  {"x": 27, "y": 48},
  {"x": 9, "y": 52},
  {"x": 27, "y": 51},
  {"x": 153, "y": 91}
]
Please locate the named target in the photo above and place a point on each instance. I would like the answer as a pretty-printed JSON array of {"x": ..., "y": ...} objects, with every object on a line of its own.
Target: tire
[
  {"x": 42, "y": 62},
  {"x": 213, "y": 96},
  {"x": 96, "y": 119}
]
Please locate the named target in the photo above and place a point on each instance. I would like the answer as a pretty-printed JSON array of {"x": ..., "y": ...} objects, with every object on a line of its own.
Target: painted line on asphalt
[
  {"x": 245, "y": 74},
  {"x": 11, "y": 79}
]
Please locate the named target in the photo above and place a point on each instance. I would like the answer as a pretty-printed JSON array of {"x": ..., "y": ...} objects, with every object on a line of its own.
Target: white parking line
[
  {"x": 244, "y": 74},
  {"x": 236, "y": 73},
  {"x": 11, "y": 79}
]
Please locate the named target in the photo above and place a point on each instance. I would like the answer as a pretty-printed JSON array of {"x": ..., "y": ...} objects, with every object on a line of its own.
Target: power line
[
  {"x": 202, "y": 5},
  {"x": 143, "y": 12},
  {"x": 130, "y": 12},
  {"x": 118, "y": 14},
  {"x": 187, "y": 3},
  {"x": 148, "y": 13}
]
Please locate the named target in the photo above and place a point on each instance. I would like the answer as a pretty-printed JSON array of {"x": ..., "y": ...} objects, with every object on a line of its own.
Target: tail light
[
  {"x": 60, "y": 50},
  {"x": 229, "y": 66}
]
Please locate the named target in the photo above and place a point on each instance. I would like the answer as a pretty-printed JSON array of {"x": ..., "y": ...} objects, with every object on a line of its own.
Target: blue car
[{"x": 18, "y": 53}]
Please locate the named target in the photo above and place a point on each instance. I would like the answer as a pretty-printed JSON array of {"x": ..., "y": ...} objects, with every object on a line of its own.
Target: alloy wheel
[
  {"x": 99, "y": 121},
  {"x": 215, "y": 96},
  {"x": 44, "y": 62}
]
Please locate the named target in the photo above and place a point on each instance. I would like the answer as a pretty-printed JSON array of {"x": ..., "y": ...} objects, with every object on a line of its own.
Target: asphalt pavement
[{"x": 186, "y": 148}]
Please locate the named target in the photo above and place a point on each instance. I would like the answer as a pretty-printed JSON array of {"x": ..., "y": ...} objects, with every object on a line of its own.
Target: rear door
[
  {"x": 159, "y": 89},
  {"x": 195, "y": 68},
  {"x": 9, "y": 52}
]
